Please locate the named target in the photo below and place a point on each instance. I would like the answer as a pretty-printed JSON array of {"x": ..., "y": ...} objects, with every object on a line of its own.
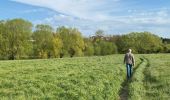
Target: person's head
[{"x": 129, "y": 50}]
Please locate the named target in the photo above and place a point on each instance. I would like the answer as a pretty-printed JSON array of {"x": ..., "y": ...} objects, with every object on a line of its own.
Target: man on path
[{"x": 129, "y": 60}]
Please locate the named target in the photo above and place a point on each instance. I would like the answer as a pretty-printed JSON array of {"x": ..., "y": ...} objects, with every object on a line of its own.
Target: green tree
[
  {"x": 64, "y": 35},
  {"x": 43, "y": 41},
  {"x": 108, "y": 48},
  {"x": 2, "y": 40},
  {"x": 77, "y": 43},
  {"x": 104, "y": 48},
  {"x": 89, "y": 48},
  {"x": 57, "y": 46},
  {"x": 17, "y": 38},
  {"x": 97, "y": 49},
  {"x": 149, "y": 43},
  {"x": 140, "y": 42},
  {"x": 73, "y": 44},
  {"x": 166, "y": 48},
  {"x": 99, "y": 33}
]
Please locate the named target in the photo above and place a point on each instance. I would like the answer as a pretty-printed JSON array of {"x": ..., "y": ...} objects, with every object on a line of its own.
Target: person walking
[{"x": 129, "y": 60}]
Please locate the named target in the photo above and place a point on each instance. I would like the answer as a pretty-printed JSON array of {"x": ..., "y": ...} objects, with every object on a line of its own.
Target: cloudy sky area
[{"x": 112, "y": 16}]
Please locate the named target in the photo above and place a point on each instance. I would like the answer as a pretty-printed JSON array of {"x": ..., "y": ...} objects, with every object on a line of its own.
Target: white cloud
[
  {"x": 113, "y": 16},
  {"x": 116, "y": 25},
  {"x": 97, "y": 10},
  {"x": 33, "y": 10},
  {"x": 86, "y": 9}
]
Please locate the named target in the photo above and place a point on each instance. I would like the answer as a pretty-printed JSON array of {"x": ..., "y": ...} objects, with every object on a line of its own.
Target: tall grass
[
  {"x": 136, "y": 88},
  {"x": 151, "y": 80},
  {"x": 157, "y": 81},
  {"x": 84, "y": 78},
  {"x": 87, "y": 78}
]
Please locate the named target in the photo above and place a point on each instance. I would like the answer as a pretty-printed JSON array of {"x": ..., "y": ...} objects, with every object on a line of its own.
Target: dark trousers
[{"x": 129, "y": 70}]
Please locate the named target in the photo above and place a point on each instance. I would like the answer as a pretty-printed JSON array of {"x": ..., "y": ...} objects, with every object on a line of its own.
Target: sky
[{"x": 111, "y": 16}]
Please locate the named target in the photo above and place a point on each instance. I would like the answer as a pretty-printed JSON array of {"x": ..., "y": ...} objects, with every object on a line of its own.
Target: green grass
[
  {"x": 157, "y": 80},
  {"x": 85, "y": 78},
  {"x": 151, "y": 80},
  {"x": 136, "y": 87}
]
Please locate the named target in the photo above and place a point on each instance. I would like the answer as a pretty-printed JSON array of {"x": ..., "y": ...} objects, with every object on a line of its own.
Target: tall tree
[
  {"x": 77, "y": 43},
  {"x": 140, "y": 42},
  {"x": 89, "y": 47},
  {"x": 17, "y": 36},
  {"x": 57, "y": 45},
  {"x": 99, "y": 33},
  {"x": 73, "y": 44},
  {"x": 3, "y": 43},
  {"x": 43, "y": 41},
  {"x": 64, "y": 35}
]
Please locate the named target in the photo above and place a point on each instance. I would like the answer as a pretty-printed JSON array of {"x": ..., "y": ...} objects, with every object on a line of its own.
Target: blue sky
[{"x": 112, "y": 16}]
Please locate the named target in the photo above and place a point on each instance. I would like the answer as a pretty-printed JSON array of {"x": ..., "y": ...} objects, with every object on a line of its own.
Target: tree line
[{"x": 20, "y": 40}]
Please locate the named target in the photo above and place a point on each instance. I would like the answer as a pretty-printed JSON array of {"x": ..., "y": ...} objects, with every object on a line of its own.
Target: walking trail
[{"x": 124, "y": 92}]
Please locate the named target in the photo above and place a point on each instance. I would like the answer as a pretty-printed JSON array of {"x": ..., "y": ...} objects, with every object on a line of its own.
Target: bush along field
[{"x": 86, "y": 78}]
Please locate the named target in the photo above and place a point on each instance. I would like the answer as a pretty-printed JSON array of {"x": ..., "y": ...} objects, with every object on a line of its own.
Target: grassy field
[
  {"x": 86, "y": 78},
  {"x": 157, "y": 80},
  {"x": 151, "y": 80}
]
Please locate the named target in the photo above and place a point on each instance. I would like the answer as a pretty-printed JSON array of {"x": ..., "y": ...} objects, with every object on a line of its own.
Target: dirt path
[{"x": 124, "y": 92}]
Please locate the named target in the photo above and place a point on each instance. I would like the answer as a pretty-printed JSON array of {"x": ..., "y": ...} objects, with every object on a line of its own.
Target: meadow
[
  {"x": 85, "y": 78},
  {"x": 151, "y": 81}
]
